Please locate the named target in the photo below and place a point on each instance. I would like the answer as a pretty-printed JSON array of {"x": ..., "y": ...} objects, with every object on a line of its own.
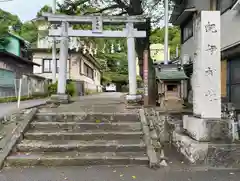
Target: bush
[
  {"x": 52, "y": 89},
  {"x": 70, "y": 89}
]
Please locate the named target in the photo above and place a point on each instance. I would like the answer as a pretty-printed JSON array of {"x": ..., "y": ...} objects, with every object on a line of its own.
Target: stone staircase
[{"x": 58, "y": 139}]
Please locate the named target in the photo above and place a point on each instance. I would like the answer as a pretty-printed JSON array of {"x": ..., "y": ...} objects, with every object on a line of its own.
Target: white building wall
[
  {"x": 38, "y": 58},
  {"x": 73, "y": 69},
  {"x": 230, "y": 26},
  {"x": 187, "y": 49}
]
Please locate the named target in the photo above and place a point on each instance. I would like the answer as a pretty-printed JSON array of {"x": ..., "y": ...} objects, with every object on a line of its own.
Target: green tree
[
  {"x": 44, "y": 9},
  {"x": 6, "y": 20},
  {"x": 157, "y": 36},
  {"x": 29, "y": 32}
]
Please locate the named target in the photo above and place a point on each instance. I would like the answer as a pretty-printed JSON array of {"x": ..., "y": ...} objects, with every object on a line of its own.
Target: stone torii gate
[{"x": 66, "y": 31}]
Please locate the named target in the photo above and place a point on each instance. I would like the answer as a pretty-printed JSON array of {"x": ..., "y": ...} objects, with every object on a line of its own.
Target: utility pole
[
  {"x": 166, "y": 32},
  {"x": 54, "y": 61}
]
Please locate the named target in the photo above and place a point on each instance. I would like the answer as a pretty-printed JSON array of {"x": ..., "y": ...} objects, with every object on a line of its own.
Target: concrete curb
[
  {"x": 152, "y": 155},
  {"x": 16, "y": 136}
]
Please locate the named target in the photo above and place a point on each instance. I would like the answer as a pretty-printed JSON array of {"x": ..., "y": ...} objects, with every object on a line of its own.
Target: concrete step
[
  {"x": 83, "y": 126},
  {"x": 82, "y": 146},
  {"x": 89, "y": 117},
  {"x": 75, "y": 159},
  {"x": 96, "y": 135}
]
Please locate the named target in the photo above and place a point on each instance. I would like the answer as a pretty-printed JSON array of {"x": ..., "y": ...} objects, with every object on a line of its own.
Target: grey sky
[{"x": 25, "y": 9}]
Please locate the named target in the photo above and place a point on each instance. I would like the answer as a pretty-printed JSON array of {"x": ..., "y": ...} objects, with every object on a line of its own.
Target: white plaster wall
[
  {"x": 188, "y": 46},
  {"x": 73, "y": 69},
  {"x": 75, "y": 72},
  {"x": 38, "y": 58},
  {"x": 230, "y": 26},
  {"x": 201, "y": 4},
  {"x": 188, "y": 49}
]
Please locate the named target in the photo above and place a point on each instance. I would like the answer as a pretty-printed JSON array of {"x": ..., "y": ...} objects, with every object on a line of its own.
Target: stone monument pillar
[{"x": 206, "y": 76}]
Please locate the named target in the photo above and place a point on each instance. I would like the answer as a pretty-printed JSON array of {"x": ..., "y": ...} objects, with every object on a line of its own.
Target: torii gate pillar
[
  {"x": 132, "y": 75},
  {"x": 61, "y": 96}
]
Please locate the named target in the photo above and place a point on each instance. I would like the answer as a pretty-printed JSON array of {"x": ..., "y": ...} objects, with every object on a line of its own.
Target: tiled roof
[{"x": 171, "y": 75}]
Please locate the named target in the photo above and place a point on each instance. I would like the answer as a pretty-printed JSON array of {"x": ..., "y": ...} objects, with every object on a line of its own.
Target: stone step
[
  {"x": 75, "y": 159},
  {"x": 82, "y": 146},
  {"x": 89, "y": 117},
  {"x": 82, "y": 126},
  {"x": 96, "y": 135}
]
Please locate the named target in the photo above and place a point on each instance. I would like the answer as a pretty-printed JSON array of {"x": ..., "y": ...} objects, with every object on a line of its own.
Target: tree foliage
[
  {"x": 29, "y": 32},
  {"x": 44, "y": 9},
  {"x": 157, "y": 36},
  {"x": 8, "y": 20}
]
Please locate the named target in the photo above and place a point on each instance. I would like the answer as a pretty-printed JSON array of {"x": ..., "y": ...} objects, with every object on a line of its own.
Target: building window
[
  {"x": 187, "y": 30},
  {"x": 88, "y": 71},
  {"x": 224, "y": 5},
  {"x": 47, "y": 66}
]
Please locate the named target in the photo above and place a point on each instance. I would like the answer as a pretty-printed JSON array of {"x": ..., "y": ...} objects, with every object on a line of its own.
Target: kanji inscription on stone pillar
[{"x": 207, "y": 90}]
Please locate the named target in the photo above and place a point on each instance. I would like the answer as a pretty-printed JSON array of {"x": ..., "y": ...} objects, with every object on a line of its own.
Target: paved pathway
[
  {"x": 108, "y": 102},
  {"x": 11, "y": 107},
  {"x": 105, "y": 173}
]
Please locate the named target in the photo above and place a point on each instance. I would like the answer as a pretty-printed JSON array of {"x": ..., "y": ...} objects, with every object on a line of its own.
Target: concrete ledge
[
  {"x": 152, "y": 155},
  {"x": 16, "y": 135}
]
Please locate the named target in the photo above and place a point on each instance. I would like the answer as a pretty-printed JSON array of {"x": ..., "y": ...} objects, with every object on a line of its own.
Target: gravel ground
[{"x": 107, "y": 173}]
